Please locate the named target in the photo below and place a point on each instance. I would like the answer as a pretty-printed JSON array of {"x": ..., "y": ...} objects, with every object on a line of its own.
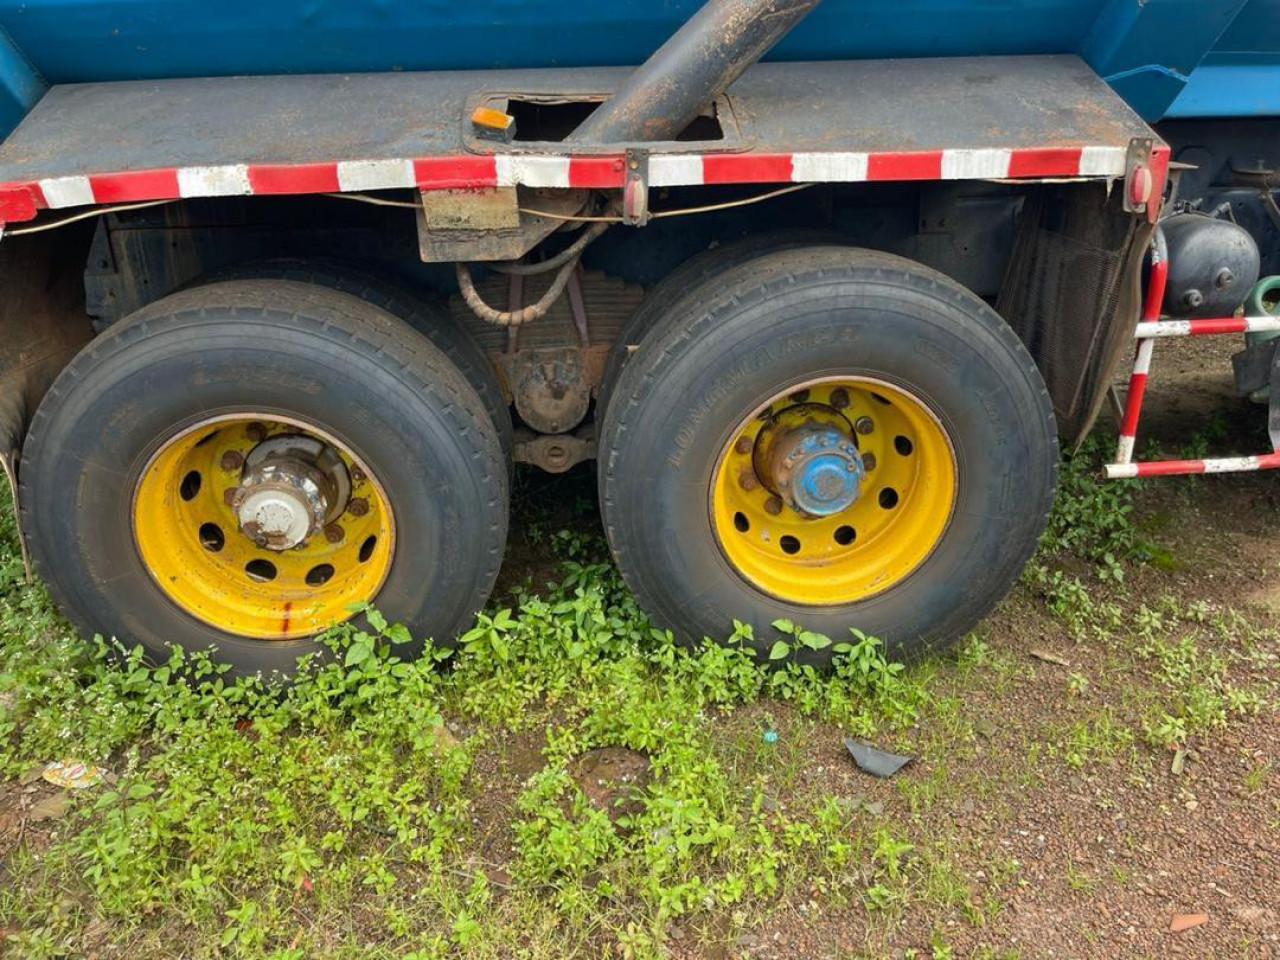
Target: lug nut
[
  {"x": 868, "y": 461},
  {"x": 334, "y": 533},
  {"x": 839, "y": 398},
  {"x": 773, "y": 506},
  {"x": 864, "y": 425},
  {"x": 229, "y": 496},
  {"x": 256, "y": 432},
  {"x": 800, "y": 396},
  {"x": 743, "y": 445},
  {"x": 356, "y": 474},
  {"x": 747, "y": 479},
  {"x": 232, "y": 460},
  {"x": 358, "y": 507}
]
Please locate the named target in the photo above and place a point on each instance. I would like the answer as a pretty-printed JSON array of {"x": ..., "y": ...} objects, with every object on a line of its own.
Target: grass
[{"x": 383, "y": 808}]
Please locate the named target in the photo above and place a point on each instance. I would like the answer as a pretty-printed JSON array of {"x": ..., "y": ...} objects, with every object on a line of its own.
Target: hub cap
[
  {"x": 262, "y": 527},
  {"x": 834, "y": 491}
]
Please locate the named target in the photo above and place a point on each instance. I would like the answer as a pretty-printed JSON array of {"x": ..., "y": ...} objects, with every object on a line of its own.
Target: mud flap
[{"x": 42, "y": 326}]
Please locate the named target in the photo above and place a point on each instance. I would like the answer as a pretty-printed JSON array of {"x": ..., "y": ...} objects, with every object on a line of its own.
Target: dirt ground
[{"x": 1105, "y": 860}]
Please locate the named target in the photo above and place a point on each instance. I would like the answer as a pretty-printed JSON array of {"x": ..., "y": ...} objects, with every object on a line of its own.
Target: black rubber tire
[
  {"x": 277, "y": 346},
  {"x": 780, "y": 320},
  {"x": 668, "y": 294},
  {"x": 397, "y": 299}
]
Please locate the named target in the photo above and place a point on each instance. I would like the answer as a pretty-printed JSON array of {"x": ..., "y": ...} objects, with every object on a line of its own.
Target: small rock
[
  {"x": 50, "y": 808},
  {"x": 746, "y": 940},
  {"x": 1185, "y": 921},
  {"x": 875, "y": 808}
]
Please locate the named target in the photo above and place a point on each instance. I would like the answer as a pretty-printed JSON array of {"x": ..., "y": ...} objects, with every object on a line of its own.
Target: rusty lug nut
[
  {"x": 743, "y": 445},
  {"x": 358, "y": 507},
  {"x": 256, "y": 432},
  {"x": 864, "y": 426},
  {"x": 356, "y": 474},
  {"x": 800, "y": 396},
  {"x": 334, "y": 533},
  {"x": 839, "y": 398},
  {"x": 229, "y": 496},
  {"x": 232, "y": 460},
  {"x": 773, "y": 506},
  {"x": 868, "y": 461},
  {"x": 747, "y": 480}
]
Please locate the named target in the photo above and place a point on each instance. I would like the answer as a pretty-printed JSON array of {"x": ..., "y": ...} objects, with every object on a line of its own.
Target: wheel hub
[
  {"x": 817, "y": 470},
  {"x": 289, "y": 489}
]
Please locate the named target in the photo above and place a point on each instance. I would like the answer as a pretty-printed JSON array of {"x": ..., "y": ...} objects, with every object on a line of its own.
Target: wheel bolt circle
[
  {"x": 743, "y": 445},
  {"x": 256, "y": 432},
  {"x": 864, "y": 426},
  {"x": 773, "y": 506},
  {"x": 358, "y": 507},
  {"x": 747, "y": 479},
  {"x": 334, "y": 533},
  {"x": 232, "y": 460}
]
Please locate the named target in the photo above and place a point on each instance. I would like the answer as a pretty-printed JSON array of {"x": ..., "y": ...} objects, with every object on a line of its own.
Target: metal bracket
[
  {"x": 635, "y": 188},
  {"x": 1139, "y": 182}
]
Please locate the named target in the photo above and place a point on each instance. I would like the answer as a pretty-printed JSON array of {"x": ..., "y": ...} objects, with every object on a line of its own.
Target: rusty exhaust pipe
[{"x": 698, "y": 63}]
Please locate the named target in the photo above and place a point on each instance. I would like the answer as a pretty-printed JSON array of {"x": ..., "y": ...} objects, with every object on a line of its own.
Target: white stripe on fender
[
  {"x": 975, "y": 164},
  {"x": 1102, "y": 161},
  {"x": 229, "y": 181},
  {"x": 828, "y": 167},
  {"x": 375, "y": 174},
  {"x": 678, "y": 170},
  {"x": 531, "y": 171},
  {"x": 67, "y": 192}
]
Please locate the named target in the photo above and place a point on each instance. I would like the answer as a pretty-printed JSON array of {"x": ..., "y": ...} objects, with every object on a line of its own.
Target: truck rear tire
[
  {"x": 238, "y": 465},
  {"x": 831, "y": 436}
]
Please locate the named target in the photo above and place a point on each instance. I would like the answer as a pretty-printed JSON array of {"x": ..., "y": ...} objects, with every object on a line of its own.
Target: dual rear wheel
[{"x": 831, "y": 436}]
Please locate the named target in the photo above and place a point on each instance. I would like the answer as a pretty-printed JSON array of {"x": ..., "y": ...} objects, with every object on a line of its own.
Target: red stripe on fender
[
  {"x": 746, "y": 168},
  {"x": 452, "y": 173},
  {"x": 19, "y": 201},
  {"x": 135, "y": 185},
  {"x": 1045, "y": 162},
  {"x": 1164, "y": 468},
  {"x": 918, "y": 165},
  {"x": 270, "y": 178},
  {"x": 597, "y": 171},
  {"x": 1205, "y": 328}
]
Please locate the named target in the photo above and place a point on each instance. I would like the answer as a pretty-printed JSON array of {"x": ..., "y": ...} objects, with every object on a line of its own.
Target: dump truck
[{"x": 287, "y": 290}]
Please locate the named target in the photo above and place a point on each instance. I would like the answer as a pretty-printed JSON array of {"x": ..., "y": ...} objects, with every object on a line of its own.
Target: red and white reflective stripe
[
  {"x": 1207, "y": 327},
  {"x": 1142, "y": 362},
  {"x": 21, "y": 201},
  {"x": 1165, "y": 468}
]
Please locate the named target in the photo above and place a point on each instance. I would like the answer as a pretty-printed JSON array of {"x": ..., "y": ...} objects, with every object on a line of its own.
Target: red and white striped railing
[{"x": 1151, "y": 328}]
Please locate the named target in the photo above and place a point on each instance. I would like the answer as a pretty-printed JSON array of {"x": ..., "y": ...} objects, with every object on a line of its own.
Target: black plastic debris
[{"x": 873, "y": 760}]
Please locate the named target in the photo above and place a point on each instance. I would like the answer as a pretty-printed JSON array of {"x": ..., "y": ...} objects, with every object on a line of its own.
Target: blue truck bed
[{"x": 1165, "y": 57}]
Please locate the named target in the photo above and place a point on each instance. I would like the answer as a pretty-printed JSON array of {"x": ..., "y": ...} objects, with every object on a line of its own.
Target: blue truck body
[{"x": 1167, "y": 58}]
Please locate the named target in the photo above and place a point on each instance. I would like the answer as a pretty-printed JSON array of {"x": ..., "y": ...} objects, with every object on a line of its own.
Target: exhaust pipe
[{"x": 690, "y": 70}]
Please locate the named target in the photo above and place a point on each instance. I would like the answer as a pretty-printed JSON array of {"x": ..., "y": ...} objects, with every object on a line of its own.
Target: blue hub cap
[{"x": 821, "y": 471}]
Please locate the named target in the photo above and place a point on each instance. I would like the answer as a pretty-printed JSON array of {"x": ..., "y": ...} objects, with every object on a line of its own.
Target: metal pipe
[{"x": 698, "y": 63}]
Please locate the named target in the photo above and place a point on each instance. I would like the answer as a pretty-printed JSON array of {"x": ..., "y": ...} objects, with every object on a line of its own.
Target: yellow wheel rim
[
  {"x": 189, "y": 534},
  {"x": 902, "y": 507}
]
